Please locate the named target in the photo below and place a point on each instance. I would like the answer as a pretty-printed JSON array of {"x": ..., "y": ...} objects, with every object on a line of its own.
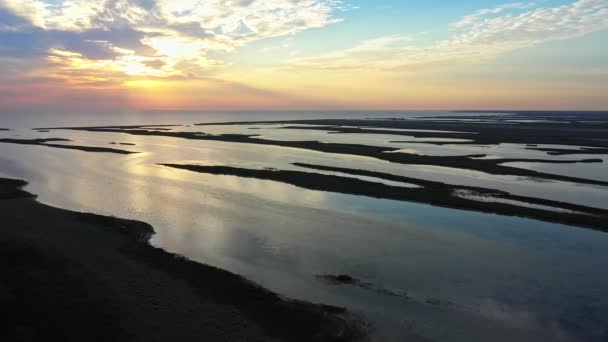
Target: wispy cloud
[
  {"x": 484, "y": 33},
  {"x": 515, "y": 30},
  {"x": 484, "y": 13}
]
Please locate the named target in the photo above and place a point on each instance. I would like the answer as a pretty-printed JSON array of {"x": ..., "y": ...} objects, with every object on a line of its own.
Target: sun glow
[
  {"x": 176, "y": 47},
  {"x": 144, "y": 83},
  {"x": 128, "y": 63}
]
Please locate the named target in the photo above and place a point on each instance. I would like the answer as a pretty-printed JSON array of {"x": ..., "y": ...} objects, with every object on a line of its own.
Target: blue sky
[{"x": 428, "y": 21}]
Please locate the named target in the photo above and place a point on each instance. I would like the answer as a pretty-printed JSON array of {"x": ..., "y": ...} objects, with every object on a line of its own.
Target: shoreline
[{"x": 78, "y": 276}]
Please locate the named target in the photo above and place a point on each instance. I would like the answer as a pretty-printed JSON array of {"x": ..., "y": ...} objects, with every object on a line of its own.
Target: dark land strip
[
  {"x": 565, "y": 152},
  {"x": 449, "y": 188},
  {"x": 48, "y": 143},
  {"x": 157, "y": 127},
  {"x": 491, "y": 166},
  {"x": 69, "y": 276},
  {"x": 565, "y": 131},
  {"x": 555, "y": 114},
  {"x": 434, "y": 193},
  {"x": 124, "y": 144},
  {"x": 362, "y": 130},
  {"x": 580, "y": 118}
]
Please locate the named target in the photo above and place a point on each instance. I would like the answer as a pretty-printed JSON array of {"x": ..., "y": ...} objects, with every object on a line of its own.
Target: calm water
[{"x": 509, "y": 278}]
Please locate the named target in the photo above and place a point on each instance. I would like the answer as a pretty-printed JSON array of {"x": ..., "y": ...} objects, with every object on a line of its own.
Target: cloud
[
  {"x": 149, "y": 37},
  {"x": 535, "y": 26},
  {"x": 483, "y": 34},
  {"x": 481, "y": 14}
]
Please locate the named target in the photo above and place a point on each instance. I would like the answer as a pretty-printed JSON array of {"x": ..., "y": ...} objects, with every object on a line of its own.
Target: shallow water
[
  {"x": 509, "y": 278},
  {"x": 175, "y": 150}
]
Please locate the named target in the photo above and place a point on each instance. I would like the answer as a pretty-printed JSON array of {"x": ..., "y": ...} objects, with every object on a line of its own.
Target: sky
[{"x": 303, "y": 54}]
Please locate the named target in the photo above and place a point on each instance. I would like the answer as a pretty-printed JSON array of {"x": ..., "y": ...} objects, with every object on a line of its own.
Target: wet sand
[{"x": 72, "y": 276}]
